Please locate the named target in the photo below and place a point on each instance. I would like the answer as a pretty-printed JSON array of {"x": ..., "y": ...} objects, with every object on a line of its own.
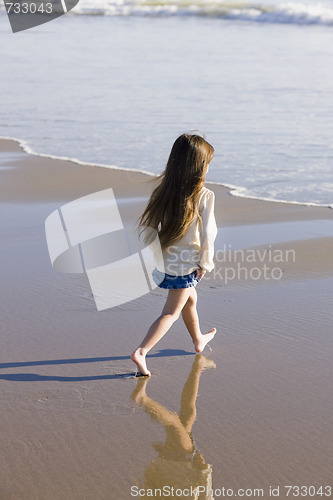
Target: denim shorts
[{"x": 164, "y": 280}]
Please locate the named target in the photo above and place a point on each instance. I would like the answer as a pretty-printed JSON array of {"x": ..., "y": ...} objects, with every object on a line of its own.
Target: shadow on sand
[{"x": 34, "y": 377}]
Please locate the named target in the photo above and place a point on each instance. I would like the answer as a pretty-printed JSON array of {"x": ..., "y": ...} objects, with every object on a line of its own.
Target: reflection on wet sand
[{"x": 179, "y": 464}]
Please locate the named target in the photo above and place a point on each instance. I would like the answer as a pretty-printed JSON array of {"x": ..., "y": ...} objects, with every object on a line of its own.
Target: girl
[{"x": 181, "y": 210}]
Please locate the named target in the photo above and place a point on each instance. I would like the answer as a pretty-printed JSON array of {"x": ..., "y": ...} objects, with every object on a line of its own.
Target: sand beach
[{"x": 255, "y": 413}]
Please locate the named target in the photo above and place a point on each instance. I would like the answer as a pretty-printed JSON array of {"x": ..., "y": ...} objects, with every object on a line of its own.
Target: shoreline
[
  {"x": 41, "y": 178},
  {"x": 23, "y": 145}
]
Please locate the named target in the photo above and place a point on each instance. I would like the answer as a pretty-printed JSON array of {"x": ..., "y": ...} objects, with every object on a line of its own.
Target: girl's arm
[{"x": 208, "y": 232}]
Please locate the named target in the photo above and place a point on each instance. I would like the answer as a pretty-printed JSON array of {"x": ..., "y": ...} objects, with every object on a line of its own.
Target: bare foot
[
  {"x": 201, "y": 344},
  {"x": 140, "y": 360}
]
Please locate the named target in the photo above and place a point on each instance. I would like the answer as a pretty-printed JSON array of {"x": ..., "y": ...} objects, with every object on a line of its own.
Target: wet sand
[{"x": 254, "y": 412}]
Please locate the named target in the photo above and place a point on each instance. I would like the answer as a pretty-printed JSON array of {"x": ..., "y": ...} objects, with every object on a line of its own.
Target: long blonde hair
[{"x": 173, "y": 203}]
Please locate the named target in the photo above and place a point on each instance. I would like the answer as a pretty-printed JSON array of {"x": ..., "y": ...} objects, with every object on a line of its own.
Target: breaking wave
[{"x": 284, "y": 13}]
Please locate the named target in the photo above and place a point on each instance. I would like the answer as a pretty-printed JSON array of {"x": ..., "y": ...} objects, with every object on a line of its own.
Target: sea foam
[
  {"x": 285, "y": 13},
  {"x": 280, "y": 13}
]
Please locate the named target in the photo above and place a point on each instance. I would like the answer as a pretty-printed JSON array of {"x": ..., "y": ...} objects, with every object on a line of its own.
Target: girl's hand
[{"x": 200, "y": 273}]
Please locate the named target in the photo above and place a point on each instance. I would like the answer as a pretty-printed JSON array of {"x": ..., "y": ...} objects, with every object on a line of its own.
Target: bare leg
[
  {"x": 191, "y": 320},
  {"x": 174, "y": 304}
]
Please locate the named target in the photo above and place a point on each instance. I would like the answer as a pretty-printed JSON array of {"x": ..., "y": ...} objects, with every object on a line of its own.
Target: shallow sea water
[{"x": 118, "y": 90}]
